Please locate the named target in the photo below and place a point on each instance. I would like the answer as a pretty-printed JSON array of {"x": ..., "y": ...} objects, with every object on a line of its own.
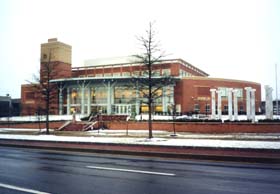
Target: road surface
[{"x": 45, "y": 171}]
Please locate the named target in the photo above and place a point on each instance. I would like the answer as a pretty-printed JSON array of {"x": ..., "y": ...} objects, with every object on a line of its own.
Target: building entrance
[{"x": 122, "y": 109}]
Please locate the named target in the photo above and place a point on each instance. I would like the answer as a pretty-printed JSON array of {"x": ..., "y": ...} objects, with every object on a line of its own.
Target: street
[{"x": 46, "y": 171}]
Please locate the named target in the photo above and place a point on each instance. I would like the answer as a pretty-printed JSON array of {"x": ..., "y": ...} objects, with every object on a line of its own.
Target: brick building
[{"x": 107, "y": 85}]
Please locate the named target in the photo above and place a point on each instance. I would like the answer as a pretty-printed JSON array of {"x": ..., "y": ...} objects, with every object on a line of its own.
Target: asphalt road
[{"x": 44, "y": 171}]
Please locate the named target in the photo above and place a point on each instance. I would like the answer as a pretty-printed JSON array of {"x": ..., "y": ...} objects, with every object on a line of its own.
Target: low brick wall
[
  {"x": 195, "y": 127},
  {"x": 33, "y": 125}
]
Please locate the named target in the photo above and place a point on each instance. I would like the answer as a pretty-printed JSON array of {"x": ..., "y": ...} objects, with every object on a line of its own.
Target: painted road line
[
  {"x": 132, "y": 171},
  {"x": 12, "y": 187}
]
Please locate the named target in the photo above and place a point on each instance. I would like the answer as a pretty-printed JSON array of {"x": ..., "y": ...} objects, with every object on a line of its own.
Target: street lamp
[{"x": 174, "y": 118}]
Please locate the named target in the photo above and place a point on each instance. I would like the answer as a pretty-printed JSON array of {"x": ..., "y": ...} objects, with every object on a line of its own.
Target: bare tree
[
  {"x": 150, "y": 82},
  {"x": 45, "y": 89}
]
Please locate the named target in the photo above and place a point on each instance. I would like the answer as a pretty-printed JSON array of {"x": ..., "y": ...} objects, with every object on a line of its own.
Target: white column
[
  {"x": 60, "y": 101},
  {"x": 109, "y": 105},
  {"x": 68, "y": 101},
  {"x": 83, "y": 99},
  {"x": 213, "y": 103},
  {"x": 235, "y": 104},
  {"x": 88, "y": 101},
  {"x": 219, "y": 104},
  {"x": 230, "y": 104},
  {"x": 172, "y": 100},
  {"x": 268, "y": 102},
  {"x": 248, "y": 102},
  {"x": 253, "y": 109}
]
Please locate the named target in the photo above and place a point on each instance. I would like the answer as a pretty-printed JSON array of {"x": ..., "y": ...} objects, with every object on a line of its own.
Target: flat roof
[
  {"x": 129, "y": 61},
  {"x": 218, "y": 79}
]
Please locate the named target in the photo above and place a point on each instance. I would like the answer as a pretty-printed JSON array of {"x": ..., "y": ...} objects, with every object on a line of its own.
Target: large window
[
  {"x": 99, "y": 95},
  {"x": 75, "y": 96},
  {"x": 124, "y": 95}
]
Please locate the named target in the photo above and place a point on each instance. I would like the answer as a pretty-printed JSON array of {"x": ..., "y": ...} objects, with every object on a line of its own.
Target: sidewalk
[{"x": 233, "y": 147}]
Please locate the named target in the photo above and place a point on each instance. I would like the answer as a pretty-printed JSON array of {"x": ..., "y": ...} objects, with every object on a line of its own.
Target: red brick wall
[
  {"x": 29, "y": 105},
  {"x": 200, "y": 127},
  {"x": 211, "y": 128},
  {"x": 191, "y": 91},
  {"x": 53, "y": 125}
]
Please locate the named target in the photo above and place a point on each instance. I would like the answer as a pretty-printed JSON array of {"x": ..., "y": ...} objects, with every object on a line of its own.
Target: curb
[{"x": 182, "y": 152}]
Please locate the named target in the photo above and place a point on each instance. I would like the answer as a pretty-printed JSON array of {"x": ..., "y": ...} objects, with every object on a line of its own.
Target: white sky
[{"x": 238, "y": 39}]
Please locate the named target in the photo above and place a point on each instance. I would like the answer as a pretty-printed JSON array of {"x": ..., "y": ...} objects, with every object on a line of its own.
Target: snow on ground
[{"x": 213, "y": 143}]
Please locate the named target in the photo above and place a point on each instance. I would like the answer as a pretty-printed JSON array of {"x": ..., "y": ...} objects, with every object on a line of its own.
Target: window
[
  {"x": 156, "y": 73},
  {"x": 126, "y": 74},
  {"x": 136, "y": 73},
  {"x": 116, "y": 74},
  {"x": 239, "y": 92},
  {"x": 98, "y": 75},
  {"x": 196, "y": 108},
  {"x": 107, "y": 74},
  {"x": 224, "y": 92},
  {"x": 207, "y": 108},
  {"x": 226, "y": 108},
  {"x": 124, "y": 95},
  {"x": 166, "y": 72},
  {"x": 99, "y": 95}
]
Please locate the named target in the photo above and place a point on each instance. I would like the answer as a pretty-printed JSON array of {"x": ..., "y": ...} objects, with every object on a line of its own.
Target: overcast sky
[{"x": 236, "y": 39}]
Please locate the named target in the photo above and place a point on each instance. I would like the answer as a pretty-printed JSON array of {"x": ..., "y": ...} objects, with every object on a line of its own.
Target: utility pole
[{"x": 276, "y": 100}]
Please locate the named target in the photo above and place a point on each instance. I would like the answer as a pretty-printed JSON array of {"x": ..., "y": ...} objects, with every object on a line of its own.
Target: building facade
[
  {"x": 9, "y": 107},
  {"x": 112, "y": 86}
]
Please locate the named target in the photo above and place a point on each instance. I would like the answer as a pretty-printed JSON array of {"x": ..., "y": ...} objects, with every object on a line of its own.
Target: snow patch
[{"x": 213, "y": 143}]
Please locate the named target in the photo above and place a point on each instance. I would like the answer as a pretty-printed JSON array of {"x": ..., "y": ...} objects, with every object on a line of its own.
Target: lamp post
[{"x": 174, "y": 118}]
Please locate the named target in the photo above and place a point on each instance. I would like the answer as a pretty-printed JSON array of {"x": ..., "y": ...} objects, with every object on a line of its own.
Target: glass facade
[{"x": 117, "y": 99}]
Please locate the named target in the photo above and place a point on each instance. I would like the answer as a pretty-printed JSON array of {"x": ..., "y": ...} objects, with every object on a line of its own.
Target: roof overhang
[{"x": 109, "y": 79}]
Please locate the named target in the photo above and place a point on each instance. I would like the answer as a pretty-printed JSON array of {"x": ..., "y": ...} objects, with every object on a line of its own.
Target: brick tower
[{"x": 55, "y": 61}]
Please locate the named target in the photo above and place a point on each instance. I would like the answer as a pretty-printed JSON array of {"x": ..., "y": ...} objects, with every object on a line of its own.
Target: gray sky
[{"x": 237, "y": 39}]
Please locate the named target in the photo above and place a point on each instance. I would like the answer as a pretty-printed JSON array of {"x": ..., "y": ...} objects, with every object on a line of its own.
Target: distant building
[
  {"x": 9, "y": 106},
  {"x": 106, "y": 85}
]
